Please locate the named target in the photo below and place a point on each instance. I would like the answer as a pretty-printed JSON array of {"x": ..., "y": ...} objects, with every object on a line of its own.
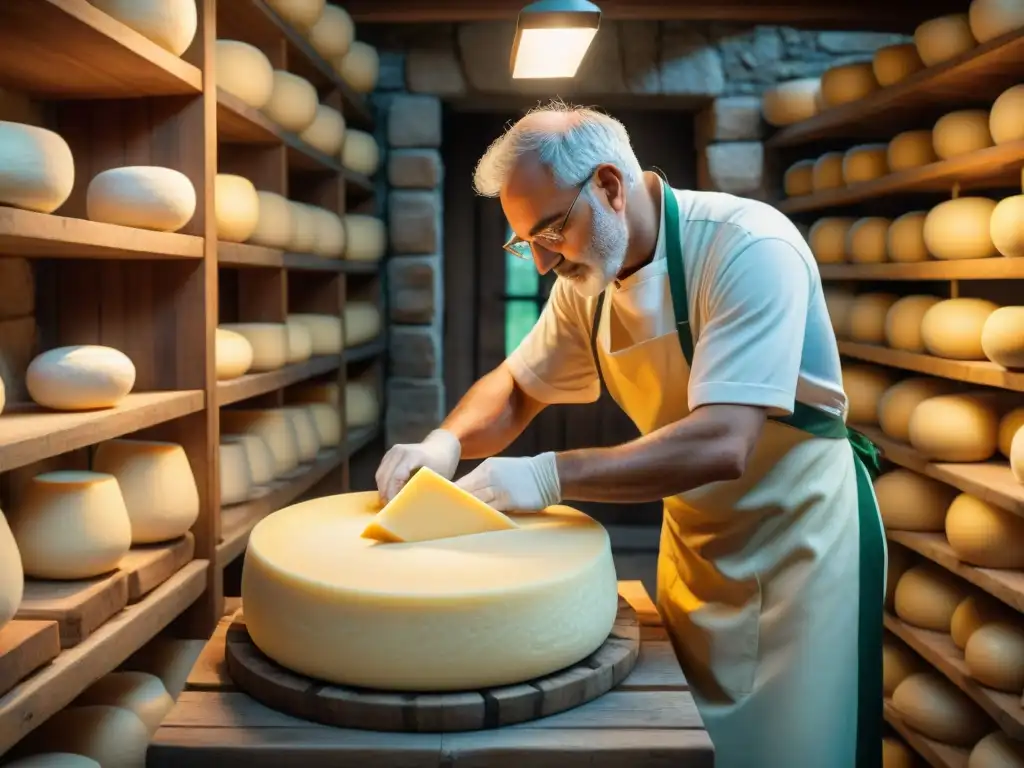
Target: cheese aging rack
[{"x": 121, "y": 99}]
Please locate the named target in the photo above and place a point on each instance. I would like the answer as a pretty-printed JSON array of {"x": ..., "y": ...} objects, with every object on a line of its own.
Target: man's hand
[
  {"x": 515, "y": 484},
  {"x": 440, "y": 451}
]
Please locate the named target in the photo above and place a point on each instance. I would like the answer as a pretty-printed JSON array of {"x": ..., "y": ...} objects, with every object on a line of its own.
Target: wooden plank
[
  {"x": 636, "y": 595},
  {"x": 256, "y": 384},
  {"x": 149, "y": 566},
  {"x": 246, "y": 255},
  {"x": 78, "y": 607},
  {"x": 210, "y": 672},
  {"x": 25, "y": 646},
  {"x": 936, "y": 754},
  {"x": 970, "y": 371},
  {"x": 657, "y": 668},
  {"x": 961, "y": 269}
]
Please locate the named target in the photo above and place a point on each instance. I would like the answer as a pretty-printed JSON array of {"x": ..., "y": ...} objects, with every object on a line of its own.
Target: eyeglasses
[{"x": 549, "y": 238}]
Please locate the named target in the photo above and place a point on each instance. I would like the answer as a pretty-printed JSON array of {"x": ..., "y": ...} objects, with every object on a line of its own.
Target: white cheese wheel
[
  {"x": 955, "y": 428},
  {"x": 37, "y": 171},
  {"x": 798, "y": 179},
  {"x": 1009, "y": 425},
  {"x": 896, "y": 754},
  {"x": 839, "y": 302},
  {"x": 293, "y": 101},
  {"x": 827, "y": 172},
  {"x": 316, "y": 392},
  {"x": 791, "y": 102},
  {"x": 233, "y": 354},
  {"x": 894, "y": 63},
  {"x": 927, "y": 595},
  {"x": 427, "y": 615},
  {"x": 898, "y": 663},
  {"x": 361, "y": 322},
  {"x": 934, "y": 707},
  {"x": 276, "y": 224},
  {"x": 973, "y": 613},
  {"x": 269, "y": 342},
  {"x": 1002, "y": 337},
  {"x": 112, "y": 736},
  {"x": 359, "y": 67},
  {"x": 1006, "y": 119},
  {"x": 258, "y": 456},
  {"x": 959, "y": 229},
  {"x": 985, "y": 535},
  {"x": 864, "y": 386},
  {"x": 325, "y": 332},
  {"x": 943, "y": 38},
  {"x": 1006, "y": 227},
  {"x": 71, "y": 525},
  {"x": 360, "y": 152},
  {"x": 53, "y": 760},
  {"x": 140, "y": 693},
  {"x": 12, "y": 575},
  {"x": 903, "y": 322},
  {"x": 906, "y": 238},
  {"x": 235, "y": 477},
  {"x": 990, "y": 19},
  {"x": 901, "y": 560},
  {"x": 867, "y": 241},
  {"x": 307, "y": 440},
  {"x": 302, "y": 14},
  {"x": 365, "y": 237},
  {"x": 848, "y": 82},
  {"x": 303, "y": 229},
  {"x": 333, "y": 33},
  {"x": 865, "y": 162},
  {"x": 80, "y": 378},
  {"x": 912, "y": 502},
  {"x": 273, "y": 427},
  {"x": 169, "y": 659},
  {"x": 143, "y": 196},
  {"x": 995, "y": 656},
  {"x": 960, "y": 133},
  {"x": 327, "y": 421},
  {"x": 327, "y": 131},
  {"x": 330, "y": 234},
  {"x": 300, "y": 342},
  {"x": 827, "y": 238},
  {"x": 868, "y": 317},
  {"x": 244, "y": 71},
  {"x": 171, "y": 24},
  {"x": 237, "y": 207},
  {"x": 897, "y": 405},
  {"x": 911, "y": 149},
  {"x": 997, "y": 750},
  {"x": 362, "y": 406},
  {"x": 157, "y": 484},
  {"x": 952, "y": 328}
]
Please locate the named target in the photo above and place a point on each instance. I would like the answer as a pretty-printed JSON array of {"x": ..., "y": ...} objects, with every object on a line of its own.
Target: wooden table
[{"x": 649, "y": 721}]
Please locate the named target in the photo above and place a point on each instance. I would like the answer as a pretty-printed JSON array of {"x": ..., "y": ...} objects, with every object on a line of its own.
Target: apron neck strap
[{"x": 677, "y": 272}]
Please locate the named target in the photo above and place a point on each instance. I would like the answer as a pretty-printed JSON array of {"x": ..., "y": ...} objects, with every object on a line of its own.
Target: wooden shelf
[
  {"x": 969, "y": 371},
  {"x": 255, "y": 384},
  {"x": 365, "y": 351},
  {"x": 996, "y": 268},
  {"x": 58, "y": 684},
  {"x": 244, "y": 255},
  {"x": 979, "y": 75},
  {"x": 30, "y": 433},
  {"x": 936, "y": 754},
  {"x": 26, "y": 646}
]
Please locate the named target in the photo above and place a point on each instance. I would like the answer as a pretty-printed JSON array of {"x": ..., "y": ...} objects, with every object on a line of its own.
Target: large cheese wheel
[
  {"x": 897, "y": 405},
  {"x": 307, "y": 441},
  {"x": 974, "y": 612},
  {"x": 848, "y": 82},
  {"x": 303, "y": 228},
  {"x": 233, "y": 354},
  {"x": 952, "y": 328},
  {"x": 903, "y": 322},
  {"x": 257, "y": 455},
  {"x": 365, "y": 237},
  {"x": 827, "y": 238},
  {"x": 12, "y": 575},
  {"x": 359, "y": 67},
  {"x": 235, "y": 477},
  {"x": 171, "y": 24},
  {"x": 867, "y": 317},
  {"x": 894, "y": 63},
  {"x": 827, "y": 172},
  {"x": 244, "y": 71},
  {"x": 864, "y": 386},
  {"x": 330, "y": 234},
  {"x": 959, "y": 229},
  {"x": 1006, "y": 226},
  {"x": 325, "y": 332},
  {"x": 1006, "y": 119},
  {"x": 37, "y": 171},
  {"x": 960, "y": 133},
  {"x": 269, "y": 342},
  {"x": 360, "y": 152},
  {"x": 997, "y": 750},
  {"x": 867, "y": 241},
  {"x": 865, "y": 162},
  {"x": 896, "y": 754},
  {"x": 985, "y": 535},
  {"x": 839, "y": 302},
  {"x": 1002, "y": 337},
  {"x": 362, "y": 406},
  {"x": 276, "y": 225},
  {"x": 911, "y": 149},
  {"x": 901, "y": 560},
  {"x": 1009, "y": 425},
  {"x": 995, "y": 656},
  {"x": 292, "y": 103},
  {"x": 327, "y": 131},
  {"x": 799, "y": 178},
  {"x": 237, "y": 207},
  {"x": 53, "y": 760},
  {"x": 300, "y": 342},
  {"x": 141, "y": 693},
  {"x": 934, "y": 707},
  {"x": 943, "y": 38},
  {"x": 274, "y": 427},
  {"x": 927, "y": 596},
  {"x": 912, "y": 502},
  {"x": 143, "y": 196},
  {"x": 302, "y": 14},
  {"x": 112, "y": 736},
  {"x": 333, "y": 33},
  {"x": 80, "y": 378},
  {"x": 361, "y": 322},
  {"x": 791, "y": 102},
  {"x": 898, "y": 663},
  {"x": 71, "y": 525},
  {"x": 157, "y": 484},
  {"x": 956, "y": 428},
  {"x": 906, "y": 238},
  {"x": 427, "y": 616},
  {"x": 990, "y": 19},
  {"x": 327, "y": 421}
]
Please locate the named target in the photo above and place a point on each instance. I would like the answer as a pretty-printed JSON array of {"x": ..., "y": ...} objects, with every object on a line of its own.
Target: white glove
[
  {"x": 439, "y": 451},
  {"x": 516, "y": 484}
]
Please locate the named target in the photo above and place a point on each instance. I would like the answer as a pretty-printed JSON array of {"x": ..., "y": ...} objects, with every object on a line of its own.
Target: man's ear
[{"x": 609, "y": 180}]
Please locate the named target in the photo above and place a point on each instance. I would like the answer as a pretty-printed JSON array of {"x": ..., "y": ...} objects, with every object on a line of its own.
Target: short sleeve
[
  {"x": 554, "y": 363},
  {"x": 751, "y": 340}
]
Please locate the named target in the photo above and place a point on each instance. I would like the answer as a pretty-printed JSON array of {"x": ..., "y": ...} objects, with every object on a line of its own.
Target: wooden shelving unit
[{"x": 969, "y": 371}]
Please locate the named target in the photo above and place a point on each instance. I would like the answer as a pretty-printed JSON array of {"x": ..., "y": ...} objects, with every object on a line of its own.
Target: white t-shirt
[{"x": 762, "y": 334}]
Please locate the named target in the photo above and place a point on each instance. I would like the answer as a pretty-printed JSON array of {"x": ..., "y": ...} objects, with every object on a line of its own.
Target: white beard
[{"x": 606, "y": 252}]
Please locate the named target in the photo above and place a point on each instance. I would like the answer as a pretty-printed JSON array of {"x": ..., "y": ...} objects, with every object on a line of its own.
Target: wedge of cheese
[{"x": 430, "y": 507}]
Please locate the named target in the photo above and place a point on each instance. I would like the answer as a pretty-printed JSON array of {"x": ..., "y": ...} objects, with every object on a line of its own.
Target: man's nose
[{"x": 544, "y": 259}]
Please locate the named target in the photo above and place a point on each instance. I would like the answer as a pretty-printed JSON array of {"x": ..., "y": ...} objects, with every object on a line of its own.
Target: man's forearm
[{"x": 710, "y": 445}]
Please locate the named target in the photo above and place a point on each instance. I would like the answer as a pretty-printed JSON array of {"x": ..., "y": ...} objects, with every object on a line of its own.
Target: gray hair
[{"x": 585, "y": 139}]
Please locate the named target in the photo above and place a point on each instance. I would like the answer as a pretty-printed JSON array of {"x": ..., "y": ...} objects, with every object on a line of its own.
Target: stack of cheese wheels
[
  {"x": 990, "y": 19},
  {"x": 997, "y": 750},
  {"x": 113, "y": 737},
  {"x": 974, "y": 611},
  {"x": 323, "y": 400},
  {"x": 359, "y": 67},
  {"x": 893, "y": 63},
  {"x": 237, "y": 207},
  {"x": 362, "y": 406},
  {"x": 983, "y": 534},
  {"x": 791, "y": 102},
  {"x": 269, "y": 342},
  {"x": 426, "y": 614},
  {"x": 927, "y": 595},
  {"x": 300, "y": 342},
  {"x": 864, "y": 386},
  {"x": 325, "y": 331},
  {"x": 258, "y": 456},
  {"x": 80, "y": 378},
  {"x": 245, "y": 72},
  {"x": 827, "y": 172},
  {"x": 960, "y": 229},
  {"x": 1006, "y": 226},
  {"x": 233, "y": 354},
  {"x": 901, "y": 560},
  {"x": 960, "y": 133},
  {"x": 898, "y": 663},
  {"x": 865, "y": 162},
  {"x": 171, "y": 24},
  {"x": 37, "y": 170},
  {"x": 1001, "y": 338},
  {"x": 903, "y": 322},
  {"x": 365, "y": 237},
  {"x": 361, "y": 322},
  {"x": 839, "y": 302},
  {"x": 303, "y": 237},
  {"x": 236, "y": 483},
  {"x": 944, "y": 38},
  {"x": 867, "y": 241},
  {"x": 275, "y": 429},
  {"x": 307, "y": 440},
  {"x": 910, "y": 149},
  {"x": 828, "y": 237},
  {"x": 1006, "y": 118},
  {"x": 952, "y": 328},
  {"x": 799, "y": 178},
  {"x": 360, "y": 153},
  {"x": 275, "y": 227},
  {"x": 142, "y": 196},
  {"x": 912, "y": 502},
  {"x": 868, "y": 317},
  {"x": 301, "y": 14},
  {"x": 327, "y": 131},
  {"x": 906, "y": 238},
  {"x": 293, "y": 102},
  {"x": 142, "y": 694},
  {"x": 960, "y": 427},
  {"x": 330, "y": 234},
  {"x": 848, "y": 82},
  {"x": 333, "y": 33},
  {"x": 897, "y": 404},
  {"x": 931, "y": 705},
  {"x": 12, "y": 575}
]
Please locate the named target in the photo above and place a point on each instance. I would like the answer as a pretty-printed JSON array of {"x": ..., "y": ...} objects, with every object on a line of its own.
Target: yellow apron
[{"x": 771, "y": 586}]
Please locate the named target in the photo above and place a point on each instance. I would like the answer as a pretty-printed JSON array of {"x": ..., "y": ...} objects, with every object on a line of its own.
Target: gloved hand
[
  {"x": 516, "y": 484},
  {"x": 440, "y": 451}
]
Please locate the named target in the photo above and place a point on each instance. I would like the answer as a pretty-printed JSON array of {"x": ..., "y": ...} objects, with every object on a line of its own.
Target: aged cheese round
[
  {"x": 244, "y": 71},
  {"x": 258, "y": 456},
  {"x": 1006, "y": 227},
  {"x": 867, "y": 240},
  {"x": 365, "y": 237},
  {"x": 990, "y": 19},
  {"x": 943, "y": 38},
  {"x": 897, "y": 405},
  {"x": 327, "y": 421},
  {"x": 316, "y": 392},
  {"x": 827, "y": 238},
  {"x": 864, "y": 386},
  {"x": 157, "y": 484},
  {"x": 985, "y": 535},
  {"x": 269, "y": 342},
  {"x": 143, "y": 196},
  {"x": 293, "y": 102},
  {"x": 791, "y": 102},
  {"x": 307, "y": 441},
  {"x": 1009, "y": 424},
  {"x": 300, "y": 342},
  {"x": 955, "y": 428},
  {"x": 273, "y": 427},
  {"x": 827, "y": 172},
  {"x": 53, "y": 760},
  {"x": 911, "y": 149},
  {"x": 303, "y": 227},
  {"x": 360, "y": 67},
  {"x": 276, "y": 225},
  {"x": 997, "y": 750},
  {"x": 37, "y": 171},
  {"x": 959, "y": 229},
  {"x": 934, "y": 707},
  {"x": 952, "y": 328},
  {"x": 912, "y": 502},
  {"x": 927, "y": 595},
  {"x": 333, "y": 33},
  {"x": 906, "y": 238},
  {"x": 360, "y": 152},
  {"x": 12, "y": 575},
  {"x": 865, "y": 162},
  {"x": 140, "y": 693},
  {"x": 848, "y": 82},
  {"x": 839, "y": 302},
  {"x": 302, "y": 14},
  {"x": 362, "y": 406},
  {"x": 903, "y": 322},
  {"x": 960, "y": 133},
  {"x": 327, "y": 131},
  {"x": 894, "y": 63},
  {"x": 464, "y": 613},
  {"x": 237, "y": 207},
  {"x": 80, "y": 378},
  {"x": 71, "y": 525},
  {"x": 995, "y": 656},
  {"x": 235, "y": 478},
  {"x": 898, "y": 663},
  {"x": 233, "y": 354},
  {"x": 973, "y": 612},
  {"x": 868, "y": 317},
  {"x": 112, "y": 736},
  {"x": 171, "y": 24},
  {"x": 1002, "y": 337},
  {"x": 799, "y": 178},
  {"x": 330, "y": 234},
  {"x": 361, "y": 322},
  {"x": 901, "y": 560},
  {"x": 1006, "y": 119},
  {"x": 896, "y": 754},
  {"x": 325, "y": 332}
]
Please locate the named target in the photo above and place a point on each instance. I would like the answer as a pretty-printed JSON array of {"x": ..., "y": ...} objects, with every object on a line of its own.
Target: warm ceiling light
[{"x": 552, "y": 37}]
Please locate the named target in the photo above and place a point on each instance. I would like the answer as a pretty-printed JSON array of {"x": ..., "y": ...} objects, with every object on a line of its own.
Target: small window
[{"x": 522, "y": 298}]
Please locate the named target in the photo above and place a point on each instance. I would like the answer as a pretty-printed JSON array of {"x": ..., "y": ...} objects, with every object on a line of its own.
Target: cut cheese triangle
[{"x": 430, "y": 507}]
